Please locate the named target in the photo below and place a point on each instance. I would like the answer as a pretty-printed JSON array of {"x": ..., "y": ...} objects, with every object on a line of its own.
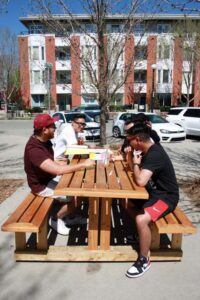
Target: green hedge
[{"x": 35, "y": 109}]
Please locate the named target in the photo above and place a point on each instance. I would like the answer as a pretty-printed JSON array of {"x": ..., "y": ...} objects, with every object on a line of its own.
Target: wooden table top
[{"x": 113, "y": 181}]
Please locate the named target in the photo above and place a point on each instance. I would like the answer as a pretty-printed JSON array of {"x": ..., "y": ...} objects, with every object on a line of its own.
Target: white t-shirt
[{"x": 66, "y": 137}]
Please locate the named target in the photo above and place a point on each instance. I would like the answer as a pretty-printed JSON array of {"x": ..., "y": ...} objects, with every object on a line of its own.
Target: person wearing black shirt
[{"x": 154, "y": 170}]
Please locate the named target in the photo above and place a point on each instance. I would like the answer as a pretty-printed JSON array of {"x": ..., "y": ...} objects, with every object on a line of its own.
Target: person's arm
[
  {"x": 141, "y": 176},
  {"x": 54, "y": 168}
]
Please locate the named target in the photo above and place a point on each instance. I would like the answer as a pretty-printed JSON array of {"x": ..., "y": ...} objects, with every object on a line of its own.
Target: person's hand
[
  {"x": 127, "y": 149},
  {"x": 88, "y": 163},
  {"x": 137, "y": 157}
]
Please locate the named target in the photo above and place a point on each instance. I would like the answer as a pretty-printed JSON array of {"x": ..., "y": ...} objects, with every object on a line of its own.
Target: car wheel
[
  {"x": 97, "y": 118},
  {"x": 116, "y": 132}
]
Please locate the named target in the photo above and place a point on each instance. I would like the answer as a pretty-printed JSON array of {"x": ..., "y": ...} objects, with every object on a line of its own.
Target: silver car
[
  {"x": 187, "y": 117},
  {"x": 92, "y": 129},
  {"x": 167, "y": 132}
]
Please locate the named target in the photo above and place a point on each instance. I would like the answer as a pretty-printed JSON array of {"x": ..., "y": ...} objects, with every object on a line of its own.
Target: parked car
[
  {"x": 91, "y": 131},
  {"x": 167, "y": 132},
  {"x": 187, "y": 117},
  {"x": 91, "y": 110}
]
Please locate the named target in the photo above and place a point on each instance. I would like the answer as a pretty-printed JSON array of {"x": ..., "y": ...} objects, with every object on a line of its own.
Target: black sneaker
[{"x": 141, "y": 265}]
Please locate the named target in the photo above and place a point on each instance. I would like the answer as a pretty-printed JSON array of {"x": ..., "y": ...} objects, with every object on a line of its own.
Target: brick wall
[
  {"x": 24, "y": 70},
  {"x": 129, "y": 70},
  {"x": 50, "y": 58}
]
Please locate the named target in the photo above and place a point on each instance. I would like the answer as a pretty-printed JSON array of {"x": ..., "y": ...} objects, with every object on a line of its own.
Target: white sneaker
[{"x": 59, "y": 226}]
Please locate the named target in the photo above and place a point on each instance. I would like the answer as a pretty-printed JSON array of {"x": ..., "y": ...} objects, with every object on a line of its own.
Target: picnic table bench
[
  {"x": 99, "y": 186},
  {"x": 174, "y": 225}
]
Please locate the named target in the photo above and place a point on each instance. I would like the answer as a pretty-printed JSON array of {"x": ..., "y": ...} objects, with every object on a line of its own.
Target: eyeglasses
[{"x": 80, "y": 123}]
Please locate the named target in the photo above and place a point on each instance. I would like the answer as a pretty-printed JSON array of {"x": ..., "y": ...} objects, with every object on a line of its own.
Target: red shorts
[{"x": 158, "y": 209}]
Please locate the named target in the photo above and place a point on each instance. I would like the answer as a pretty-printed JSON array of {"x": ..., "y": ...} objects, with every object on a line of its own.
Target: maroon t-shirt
[{"x": 35, "y": 153}]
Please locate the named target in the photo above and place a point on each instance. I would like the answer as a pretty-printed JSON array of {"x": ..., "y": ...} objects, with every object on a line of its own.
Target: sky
[{"x": 21, "y": 8}]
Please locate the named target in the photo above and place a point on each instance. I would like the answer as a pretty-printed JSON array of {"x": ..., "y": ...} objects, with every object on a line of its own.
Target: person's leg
[
  {"x": 144, "y": 233},
  {"x": 143, "y": 263},
  {"x": 153, "y": 210},
  {"x": 56, "y": 221}
]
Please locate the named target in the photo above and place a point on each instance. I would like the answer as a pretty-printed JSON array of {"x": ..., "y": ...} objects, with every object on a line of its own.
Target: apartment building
[{"x": 51, "y": 70}]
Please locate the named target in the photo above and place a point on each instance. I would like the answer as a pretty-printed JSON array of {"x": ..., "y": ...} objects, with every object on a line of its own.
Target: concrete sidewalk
[{"x": 35, "y": 280}]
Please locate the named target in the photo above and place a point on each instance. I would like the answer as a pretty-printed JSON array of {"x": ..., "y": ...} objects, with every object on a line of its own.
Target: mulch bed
[
  {"x": 190, "y": 188},
  {"x": 8, "y": 187}
]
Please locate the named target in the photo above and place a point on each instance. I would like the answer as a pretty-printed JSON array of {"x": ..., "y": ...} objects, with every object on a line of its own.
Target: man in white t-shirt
[{"x": 69, "y": 136}]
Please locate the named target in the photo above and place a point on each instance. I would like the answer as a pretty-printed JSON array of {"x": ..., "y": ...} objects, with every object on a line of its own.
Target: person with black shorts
[{"x": 154, "y": 170}]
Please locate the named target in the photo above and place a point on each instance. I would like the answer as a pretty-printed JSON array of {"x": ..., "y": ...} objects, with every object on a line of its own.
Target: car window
[
  {"x": 92, "y": 108},
  {"x": 174, "y": 111},
  {"x": 156, "y": 119},
  {"x": 61, "y": 117},
  {"x": 194, "y": 113},
  {"x": 126, "y": 116},
  {"x": 69, "y": 117}
]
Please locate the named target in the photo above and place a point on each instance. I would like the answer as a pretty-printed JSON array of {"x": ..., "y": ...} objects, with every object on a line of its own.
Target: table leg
[
  {"x": 93, "y": 223},
  {"x": 105, "y": 223}
]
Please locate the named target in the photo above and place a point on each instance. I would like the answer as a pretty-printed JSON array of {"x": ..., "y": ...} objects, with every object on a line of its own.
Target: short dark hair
[
  {"x": 37, "y": 131},
  {"x": 141, "y": 130},
  {"x": 141, "y": 117},
  {"x": 79, "y": 116},
  {"x": 128, "y": 121}
]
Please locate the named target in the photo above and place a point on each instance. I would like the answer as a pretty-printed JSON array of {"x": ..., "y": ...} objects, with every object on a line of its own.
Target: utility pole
[
  {"x": 48, "y": 77},
  {"x": 153, "y": 88}
]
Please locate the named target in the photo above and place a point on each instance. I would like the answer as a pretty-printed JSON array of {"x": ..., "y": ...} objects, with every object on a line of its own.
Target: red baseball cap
[{"x": 44, "y": 120}]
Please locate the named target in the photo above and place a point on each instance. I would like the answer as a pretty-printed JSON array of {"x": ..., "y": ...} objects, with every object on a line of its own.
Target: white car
[
  {"x": 91, "y": 130},
  {"x": 167, "y": 132},
  {"x": 187, "y": 117}
]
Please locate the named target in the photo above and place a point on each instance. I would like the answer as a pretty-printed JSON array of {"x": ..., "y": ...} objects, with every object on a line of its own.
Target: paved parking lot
[{"x": 15, "y": 133}]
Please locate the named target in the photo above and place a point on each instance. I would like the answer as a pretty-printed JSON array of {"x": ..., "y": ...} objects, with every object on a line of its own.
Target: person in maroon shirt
[{"x": 41, "y": 168}]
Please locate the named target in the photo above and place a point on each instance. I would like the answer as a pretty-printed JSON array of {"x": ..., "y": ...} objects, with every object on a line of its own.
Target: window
[
  {"x": 140, "y": 52},
  {"x": 63, "y": 53},
  {"x": 163, "y": 51},
  {"x": 37, "y": 100},
  {"x": 163, "y": 28},
  {"x": 89, "y": 52},
  {"x": 42, "y": 53},
  {"x": 36, "y": 77},
  {"x": 187, "y": 78},
  {"x": 165, "y": 76},
  {"x": 188, "y": 53},
  {"x": 89, "y": 28},
  {"x": 175, "y": 111},
  {"x": 88, "y": 77},
  {"x": 63, "y": 77},
  {"x": 117, "y": 76},
  {"x": 61, "y": 117},
  {"x": 139, "y": 29},
  {"x": 115, "y": 28},
  {"x": 159, "y": 76},
  {"x": 194, "y": 113},
  {"x": 140, "y": 76},
  {"x": 126, "y": 116},
  {"x": 35, "y": 53},
  {"x": 36, "y": 28}
]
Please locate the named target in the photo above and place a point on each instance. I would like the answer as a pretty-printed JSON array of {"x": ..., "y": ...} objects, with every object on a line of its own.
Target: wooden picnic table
[{"x": 100, "y": 184}]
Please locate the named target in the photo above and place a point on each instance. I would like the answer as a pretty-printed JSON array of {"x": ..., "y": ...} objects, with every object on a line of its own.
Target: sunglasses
[{"x": 80, "y": 123}]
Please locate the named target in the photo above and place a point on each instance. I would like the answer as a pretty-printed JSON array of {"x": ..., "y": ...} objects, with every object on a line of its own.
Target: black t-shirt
[
  {"x": 163, "y": 182},
  {"x": 35, "y": 153}
]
